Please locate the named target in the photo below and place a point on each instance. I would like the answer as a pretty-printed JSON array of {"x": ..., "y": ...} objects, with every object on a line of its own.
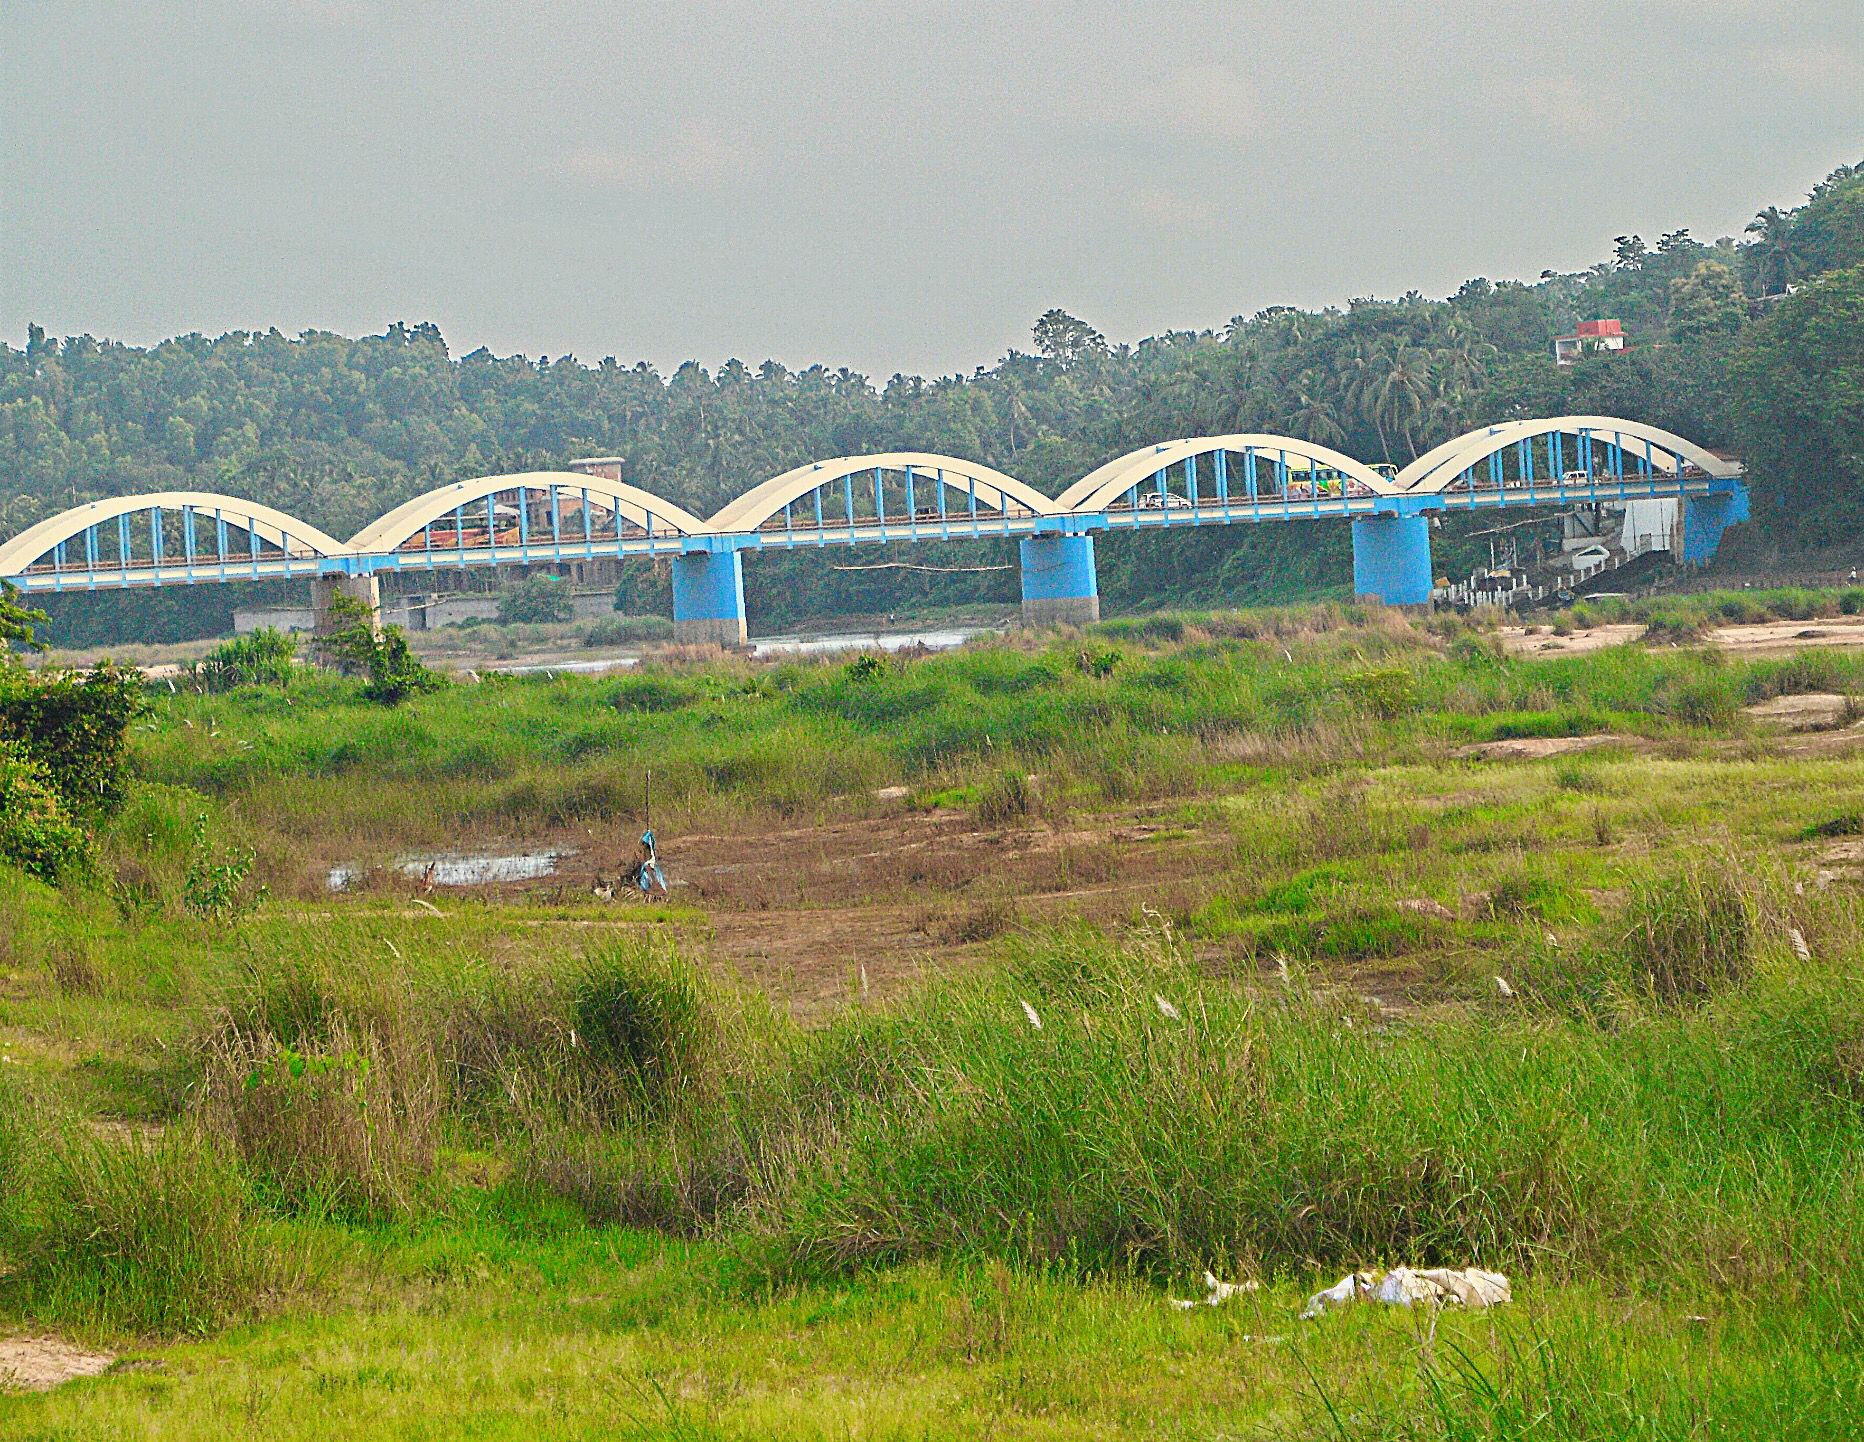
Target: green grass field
[{"x": 1329, "y": 981}]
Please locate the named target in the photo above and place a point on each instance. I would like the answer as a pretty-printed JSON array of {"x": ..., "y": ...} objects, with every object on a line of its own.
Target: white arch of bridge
[
  {"x": 1439, "y": 468},
  {"x": 294, "y": 537},
  {"x": 992, "y": 487},
  {"x": 1101, "y": 487},
  {"x": 653, "y": 515}
]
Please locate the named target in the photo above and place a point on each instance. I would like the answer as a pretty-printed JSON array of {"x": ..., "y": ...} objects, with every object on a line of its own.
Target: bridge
[{"x": 543, "y": 518}]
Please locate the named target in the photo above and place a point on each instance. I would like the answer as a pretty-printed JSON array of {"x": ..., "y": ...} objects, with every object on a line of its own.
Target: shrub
[
  {"x": 75, "y": 725},
  {"x": 350, "y": 1123},
  {"x": 622, "y": 630},
  {"x": 1005, "y": 797},
  {"x": 267, "y": 657},
  {"x": 537, "y": 599},
  {"x": 19, "y": 624},
  {"x": 37, "y": 834},
  {"x": 640, "y": 1018},
  {"x": 391, "y": 671},
  {"x": 1386, "y": 692},
  {"x": 1699, "y": 701},
  {"x": 214, "y": 886}
]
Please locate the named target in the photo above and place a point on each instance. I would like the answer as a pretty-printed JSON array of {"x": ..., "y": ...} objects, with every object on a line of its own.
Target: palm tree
[
  {"x": 1399, "y": 392},
  {"x": 1314, "y": 416},
  {"x": 1775, "y": 249}
]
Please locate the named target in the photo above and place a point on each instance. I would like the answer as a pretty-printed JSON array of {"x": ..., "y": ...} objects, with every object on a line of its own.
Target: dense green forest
[{"x": 1751, "y": 343}]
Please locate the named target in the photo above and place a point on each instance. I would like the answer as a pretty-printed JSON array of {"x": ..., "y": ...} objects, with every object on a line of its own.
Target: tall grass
[
  {"x": 1163, "y": 707},
  {"x": 149, "y": 1235},
  {"x": 1157, "y": 1121}
]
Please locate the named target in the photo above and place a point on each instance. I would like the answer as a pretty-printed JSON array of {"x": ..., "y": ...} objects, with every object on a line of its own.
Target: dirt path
[{"x": 37, "y": 1364}]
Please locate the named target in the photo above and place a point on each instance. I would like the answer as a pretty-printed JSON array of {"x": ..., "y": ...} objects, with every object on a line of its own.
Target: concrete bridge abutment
[{"x": 324, "y": 591}]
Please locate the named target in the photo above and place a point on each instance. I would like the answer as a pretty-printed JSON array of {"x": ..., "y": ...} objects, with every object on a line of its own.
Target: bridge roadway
[{"x": 544, "y": 518}]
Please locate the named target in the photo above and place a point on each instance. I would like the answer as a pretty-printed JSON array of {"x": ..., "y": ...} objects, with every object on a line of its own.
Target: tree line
[{"x": 1752, "y": 343}]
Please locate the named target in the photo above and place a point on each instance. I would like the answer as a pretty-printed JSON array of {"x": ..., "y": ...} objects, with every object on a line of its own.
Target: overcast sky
[{"x": 887, "y": 186}]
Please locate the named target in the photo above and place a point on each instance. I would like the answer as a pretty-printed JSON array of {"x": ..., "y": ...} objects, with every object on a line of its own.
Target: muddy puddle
[{"x": 460, "y": 868}]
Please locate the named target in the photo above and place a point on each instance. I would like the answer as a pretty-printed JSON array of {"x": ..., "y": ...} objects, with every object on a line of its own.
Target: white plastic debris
[
  {"x": 1501, "y": 985},
  {"x": 1034, "y": 1020},
  {"x": 1470, "y": 1287},
  {"x": 1216, "y": 1293},
  {"x": 1347, "y": 1289}
]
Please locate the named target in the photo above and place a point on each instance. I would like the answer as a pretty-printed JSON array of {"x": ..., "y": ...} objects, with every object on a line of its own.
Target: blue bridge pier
[
  {"x": 708, "y": 599},
  {"x": 1704, "y": 520},
  {"x": 1391, "y": 558},
  {"x": 1060, "y": 587}
]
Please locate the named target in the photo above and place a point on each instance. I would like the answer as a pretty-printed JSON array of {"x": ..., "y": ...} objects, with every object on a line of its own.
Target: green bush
[
  {"x": 75, "y": 725},
  {"x": 391, "y": 672},
  {"x": 37, "y": 834},
  {"x": 1005, "y": 798},
  {"x": 640, "y": 1018},
  {"x": 214, "y": 885},
  {"x": 349, "y": 1122},
  {"x": 1386, "y": 692},
  {"x": 1690, "y": 933},
  {"x": 267, "y": 657},
  {"x": 537, "y": 599},
  {"x": 626, "y": 630}
]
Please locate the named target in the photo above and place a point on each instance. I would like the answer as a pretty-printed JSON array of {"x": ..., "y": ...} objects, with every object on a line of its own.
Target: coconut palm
[
  {"x": 1777, "y": 258},
  {"x": 1400, "y": 394}
]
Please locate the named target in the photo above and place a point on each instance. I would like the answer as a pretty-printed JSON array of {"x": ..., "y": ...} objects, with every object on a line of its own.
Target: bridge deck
[{"x": 1141, "y": 510}]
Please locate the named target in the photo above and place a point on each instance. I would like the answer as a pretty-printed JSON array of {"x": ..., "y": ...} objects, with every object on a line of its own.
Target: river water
[{"x": 766, "y": 647}]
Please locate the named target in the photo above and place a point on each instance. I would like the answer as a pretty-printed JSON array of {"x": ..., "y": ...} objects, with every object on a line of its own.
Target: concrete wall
[{"x": 414, "y": 612}]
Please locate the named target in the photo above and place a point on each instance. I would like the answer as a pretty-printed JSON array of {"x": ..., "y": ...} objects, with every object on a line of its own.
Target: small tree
[
  {"x": 1707, "y": 301},
  {"x": 391, "y": 671},
  {"x": 17, "y": 623},
  {"x": 536, "y": 599}
]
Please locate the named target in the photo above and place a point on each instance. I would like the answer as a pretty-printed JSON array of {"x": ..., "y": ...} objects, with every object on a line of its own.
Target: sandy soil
[
  {"x": 805, "y": 911},
  {"x": 1769, "y": 638},
  {"x": 1779, "y": 638},
  {"x": 37, "y": 1364},
  {"x": 1537, "y": 640},
  {"x": 1813, "y": 711},
  {"x": 1531, "y": 748}
]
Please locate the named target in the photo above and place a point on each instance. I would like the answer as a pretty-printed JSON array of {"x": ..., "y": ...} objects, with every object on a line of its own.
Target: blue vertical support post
[
  {"x": 708, "y": 599},
  {"x": 1704, "y": 520},
  {"x": 1391, "y": 557},
  {"x": 1060, "y": 586}
]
